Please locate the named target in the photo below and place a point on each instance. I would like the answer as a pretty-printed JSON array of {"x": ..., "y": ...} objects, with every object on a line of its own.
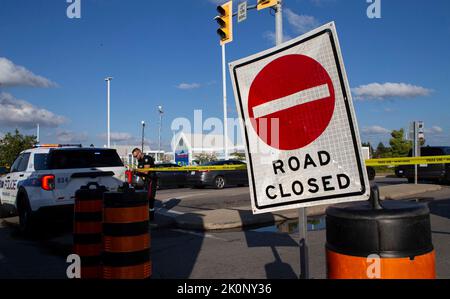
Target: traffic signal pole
[
  {"x": 279, "y": 22},
  {"x": 225, "y": 110}
]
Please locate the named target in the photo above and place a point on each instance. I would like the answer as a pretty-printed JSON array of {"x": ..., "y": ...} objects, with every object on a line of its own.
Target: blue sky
[{"x": 167, "y": 52}]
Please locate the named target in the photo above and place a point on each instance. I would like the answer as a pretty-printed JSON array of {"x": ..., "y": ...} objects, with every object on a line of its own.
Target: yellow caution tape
[
  {"x": 408, "y": 161},
  {"x": 371, "y": 162},
  {"x": 194, "y": 168}
]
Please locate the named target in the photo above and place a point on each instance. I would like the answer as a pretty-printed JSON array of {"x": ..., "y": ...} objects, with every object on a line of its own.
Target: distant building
[{"x": 186, "y": 146}]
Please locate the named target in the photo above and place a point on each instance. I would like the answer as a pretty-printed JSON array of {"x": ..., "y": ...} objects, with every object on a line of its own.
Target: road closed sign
[{"x": 299, "y": 126}]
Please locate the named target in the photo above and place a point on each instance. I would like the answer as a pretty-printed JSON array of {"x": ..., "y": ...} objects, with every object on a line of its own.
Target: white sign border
[{"x": 364, "y": 193}]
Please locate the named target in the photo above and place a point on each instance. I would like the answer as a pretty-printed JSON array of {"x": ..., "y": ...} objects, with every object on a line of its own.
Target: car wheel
[
  {"x": 26, "y": 217},
  {"x": 411, "y": 181},
  {"x": 219, "y": 182}
]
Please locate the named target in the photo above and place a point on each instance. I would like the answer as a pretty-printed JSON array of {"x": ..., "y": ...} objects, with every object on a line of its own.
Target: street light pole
[
  {"x": 143, "y": 132},
  {"x": 108, "y": 135},
  {"x": 161, "y": 112}
]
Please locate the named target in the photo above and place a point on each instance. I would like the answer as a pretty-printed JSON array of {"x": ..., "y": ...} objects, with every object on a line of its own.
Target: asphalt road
[{"x": 209, "y": 199}]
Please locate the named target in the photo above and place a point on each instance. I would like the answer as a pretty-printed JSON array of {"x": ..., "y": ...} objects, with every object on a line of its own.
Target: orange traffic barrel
[
  {"x": 373, "y": 240},
  {"x": 87, "y": 232},
  {"x": 126, "y": 236}
]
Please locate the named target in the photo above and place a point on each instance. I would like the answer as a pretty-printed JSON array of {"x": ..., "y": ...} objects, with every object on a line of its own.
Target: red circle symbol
[{"x": 295, "y": 94}]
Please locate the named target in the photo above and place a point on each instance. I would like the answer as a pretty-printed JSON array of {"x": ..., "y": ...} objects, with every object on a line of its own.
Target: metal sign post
[{"x": 302, "y": 215}]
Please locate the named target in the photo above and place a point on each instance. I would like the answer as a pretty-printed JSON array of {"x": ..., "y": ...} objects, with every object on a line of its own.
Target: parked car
[
  {"x": 218, "y": 179},
  {"x": 166, "y": 179},
  {"x": 433, "y": 172},
  {"x": 170, "y": 179}
]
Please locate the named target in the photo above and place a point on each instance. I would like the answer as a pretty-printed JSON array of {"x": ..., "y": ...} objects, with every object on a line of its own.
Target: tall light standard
[
  {"x": 108, "y": 135},
  {"x": 161, "y": 112},
  {"x": 143, "y": 129}
]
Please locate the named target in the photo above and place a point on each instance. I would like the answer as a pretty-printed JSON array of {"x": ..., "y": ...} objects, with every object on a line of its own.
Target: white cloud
[
  {"x": 118, "y": 137},
  {"x": 14, "y": 75},
  {"x": 188, "y": 86},
  {"x": 377, "y": 91},
  {"x": 19, "y": 113},
  {"x": 375, "y": 130},
  {"x": 300, "y": 23},
  {"x": 435, "y": 130},
  {"x": 69, "y": 137},
  {"x": 270, "y": 36}
]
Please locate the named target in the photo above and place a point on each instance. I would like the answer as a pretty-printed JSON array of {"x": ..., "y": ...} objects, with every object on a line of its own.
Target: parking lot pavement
[
  {"x": 183, "y": 253},
  {"x": 40, "y": 257},
  {"x": 210, "y": 209}
]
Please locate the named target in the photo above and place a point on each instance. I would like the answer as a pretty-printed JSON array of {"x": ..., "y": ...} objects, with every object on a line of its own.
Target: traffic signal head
[
  {"x": 262, "y": 4},
  {"x": 225, "y": 21}
]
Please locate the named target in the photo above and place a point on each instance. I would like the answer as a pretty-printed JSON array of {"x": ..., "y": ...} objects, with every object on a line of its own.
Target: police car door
[
  {"x": 17, "y": 174},
  {"x": 20, "y": 175}
]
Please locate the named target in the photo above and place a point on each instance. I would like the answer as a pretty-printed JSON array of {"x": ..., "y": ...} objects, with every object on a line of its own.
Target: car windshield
[{"x": 85, "y": 158}]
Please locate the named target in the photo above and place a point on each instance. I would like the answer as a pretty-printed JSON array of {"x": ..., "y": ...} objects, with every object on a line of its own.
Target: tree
[
  {"x": 400, "y": 147},
  {"x": 11, "y": 145},
  {"x": 238, "y": 156},
  {"x": 205, "y": 158},
  {"x": 382, "y": 151}
]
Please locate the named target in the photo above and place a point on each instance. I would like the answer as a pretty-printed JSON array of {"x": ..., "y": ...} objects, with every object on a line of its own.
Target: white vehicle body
[{"x": 25, "y": 181}]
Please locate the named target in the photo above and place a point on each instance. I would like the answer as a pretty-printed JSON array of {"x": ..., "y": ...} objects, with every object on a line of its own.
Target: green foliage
[
  {"x": 11, "y": 145},
  {"x": 238, "y": 156},
  {"x": 205, "y": 158},
  {"x": 400, "y": 147},
  {"x": 382, "y": 151}
]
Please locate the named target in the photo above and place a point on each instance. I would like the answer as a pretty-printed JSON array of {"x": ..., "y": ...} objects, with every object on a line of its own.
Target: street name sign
[
  {"x": 298, "y": 124},
  {"x": 242, "y": 11}
]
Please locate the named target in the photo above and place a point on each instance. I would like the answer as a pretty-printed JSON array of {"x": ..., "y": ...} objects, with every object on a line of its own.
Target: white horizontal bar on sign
[{"x": 290, "y": 101}]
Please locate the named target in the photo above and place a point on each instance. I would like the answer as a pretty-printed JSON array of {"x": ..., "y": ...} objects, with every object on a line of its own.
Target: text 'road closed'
[{"x": 325, "y": 183}]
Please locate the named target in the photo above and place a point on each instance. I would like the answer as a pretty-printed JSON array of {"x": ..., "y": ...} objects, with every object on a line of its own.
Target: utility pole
[{"x": 108, "y": 135}]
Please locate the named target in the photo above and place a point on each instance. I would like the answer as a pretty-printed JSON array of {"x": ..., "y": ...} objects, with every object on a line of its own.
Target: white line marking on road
[
  {"x": 169, "y": 213},
  {"x": 296, "y": 99},
  {"x": 201, "y": 235}
]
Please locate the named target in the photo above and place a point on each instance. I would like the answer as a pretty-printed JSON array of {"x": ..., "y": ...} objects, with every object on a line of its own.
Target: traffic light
[
  {"x": 225, "y": 21},
  {"x": 262, "y": 4}
]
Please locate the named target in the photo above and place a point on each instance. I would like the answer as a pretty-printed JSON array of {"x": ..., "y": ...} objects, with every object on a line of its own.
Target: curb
[{"x": 239, "y": 218}]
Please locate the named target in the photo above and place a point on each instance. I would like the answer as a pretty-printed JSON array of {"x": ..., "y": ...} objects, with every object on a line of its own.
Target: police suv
[{"x": 43, "y": 180}]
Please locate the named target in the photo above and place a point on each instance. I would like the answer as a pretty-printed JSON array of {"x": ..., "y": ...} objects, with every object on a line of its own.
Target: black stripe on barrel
[
  {"x": 87, "y": 231},
  {"x": 126, "y": 236}
]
